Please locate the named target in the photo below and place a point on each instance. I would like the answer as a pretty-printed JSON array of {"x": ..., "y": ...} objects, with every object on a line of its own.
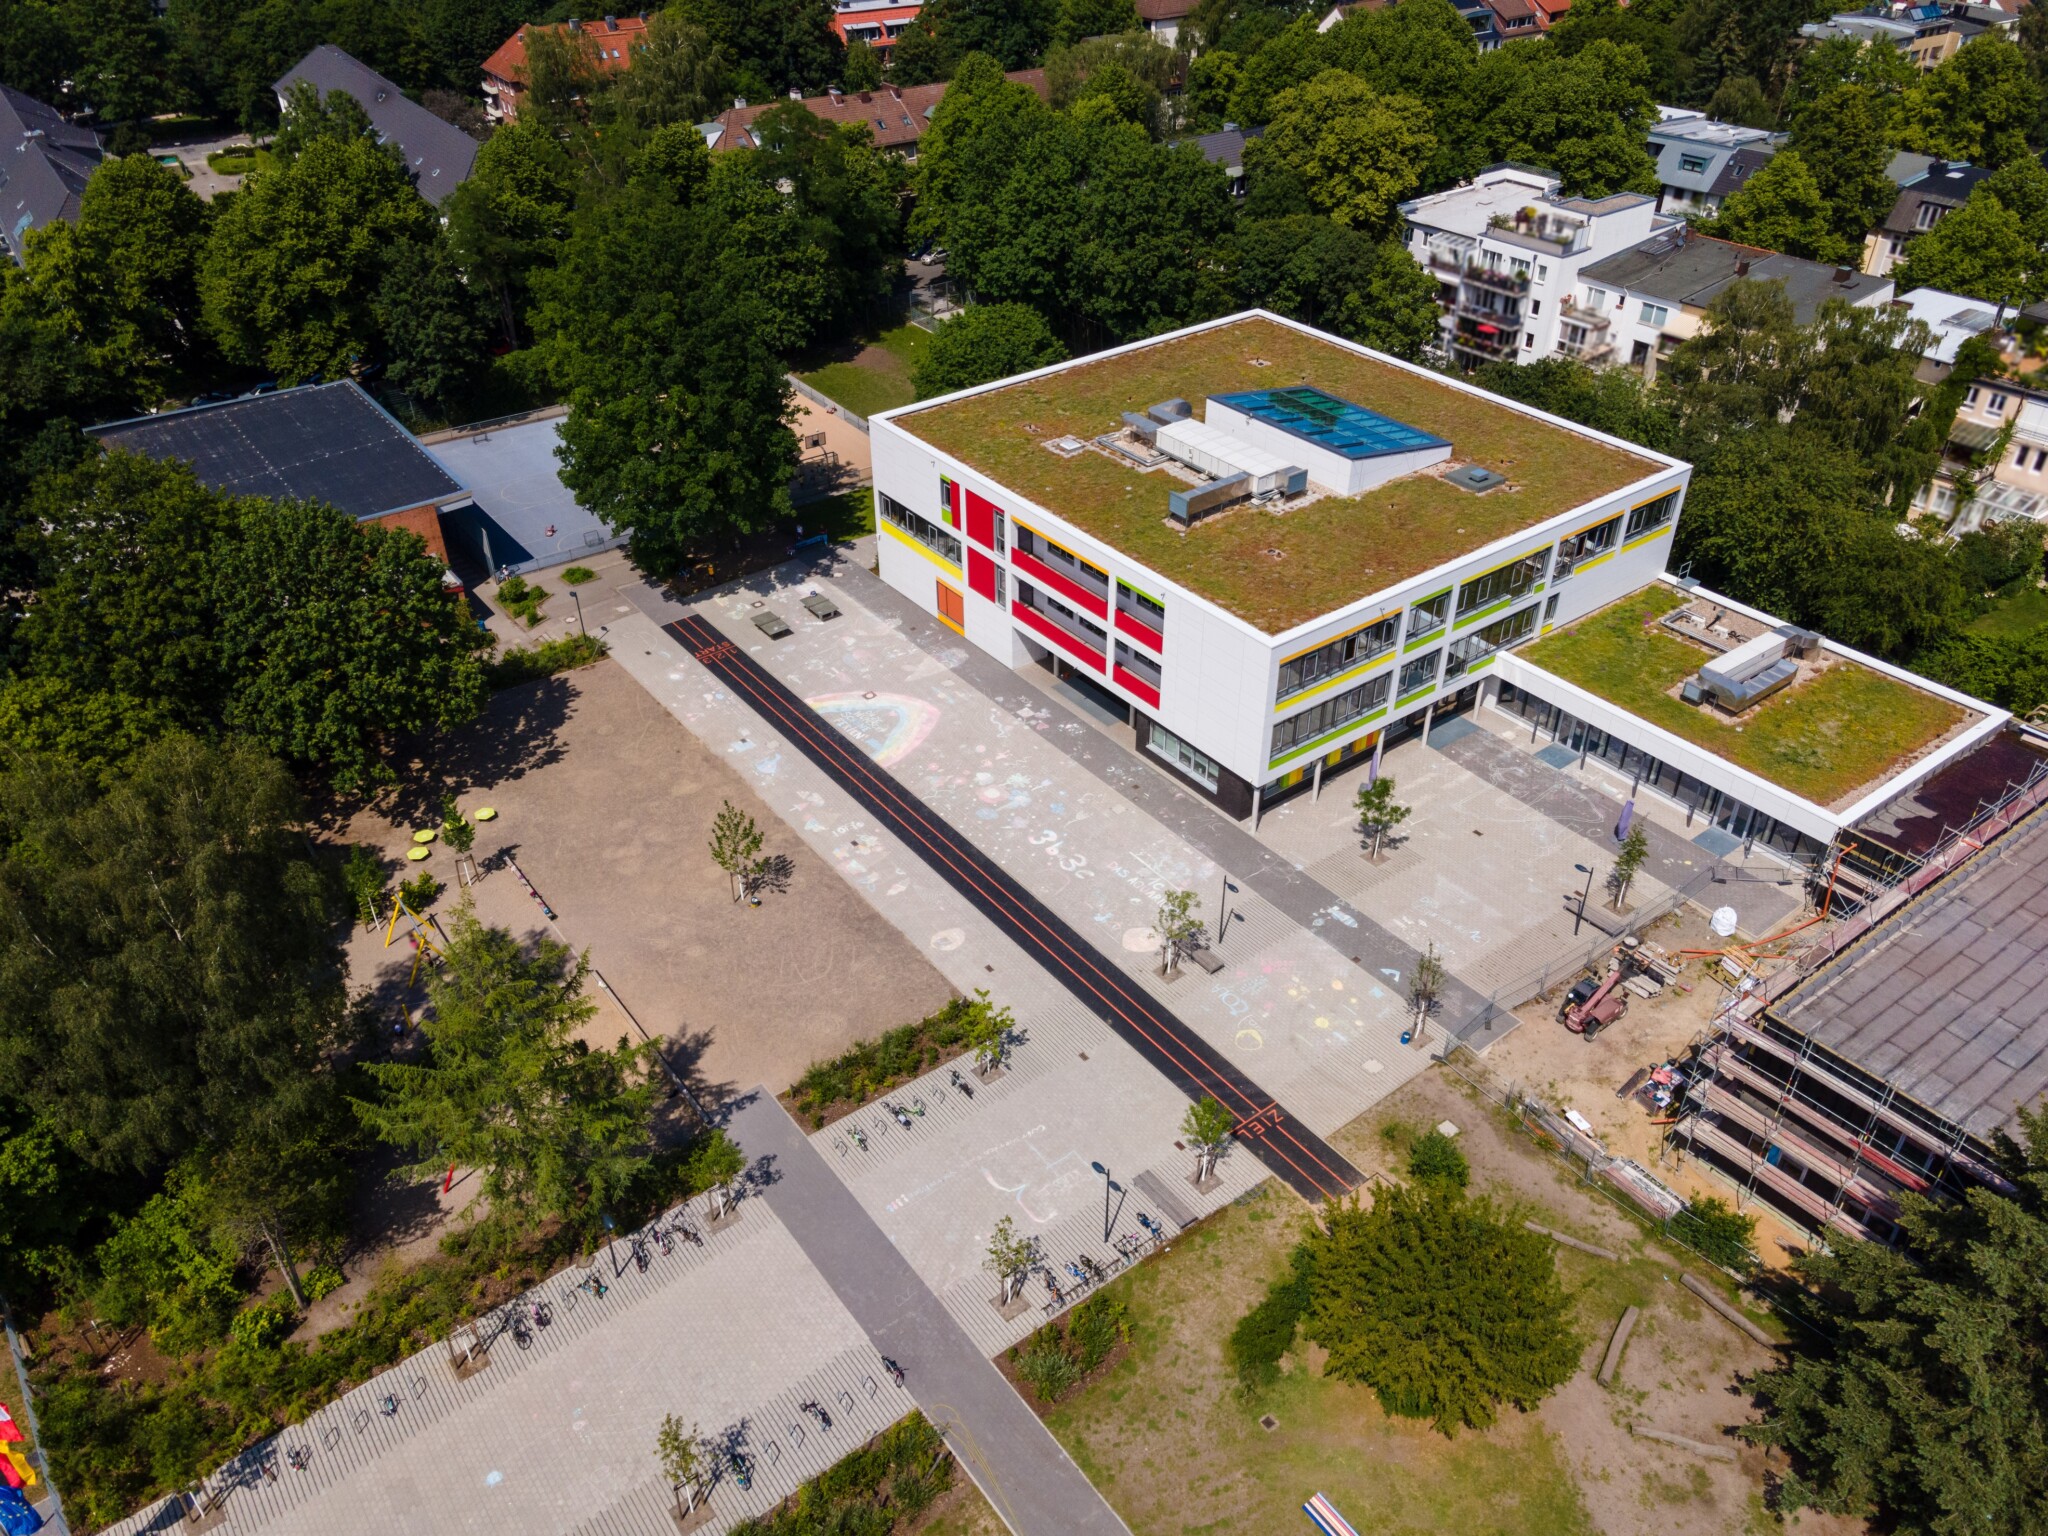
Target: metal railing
[{"x": 826, "y": 403}]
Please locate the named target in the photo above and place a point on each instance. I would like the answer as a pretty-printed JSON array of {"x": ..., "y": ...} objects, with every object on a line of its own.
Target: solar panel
[{"x": 1318, "y": 417}]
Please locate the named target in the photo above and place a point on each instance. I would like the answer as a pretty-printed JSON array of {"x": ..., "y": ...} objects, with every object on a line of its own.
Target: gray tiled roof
[
  {"x": 1685, "y": 268},
  {"x": 438, "y": 153},
  {"x": 1949, "y": 1002},
  {"x": 44, "y": 164}
]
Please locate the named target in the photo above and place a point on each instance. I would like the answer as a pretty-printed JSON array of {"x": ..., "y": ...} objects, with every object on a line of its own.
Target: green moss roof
[
  {"x": 1826, "y": 737},
  {"x": 1274, "y": 571}
]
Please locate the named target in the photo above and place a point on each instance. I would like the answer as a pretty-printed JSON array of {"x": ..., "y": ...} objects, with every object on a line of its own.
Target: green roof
[
  {"x": 1825, "y": 737},
  {"x": 1274, "y": 570}
]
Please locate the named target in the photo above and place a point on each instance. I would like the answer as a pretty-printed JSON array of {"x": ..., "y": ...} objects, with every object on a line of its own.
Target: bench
[
  {"x": 771, "y": 624},
  {"x": 821, "y": 606}
]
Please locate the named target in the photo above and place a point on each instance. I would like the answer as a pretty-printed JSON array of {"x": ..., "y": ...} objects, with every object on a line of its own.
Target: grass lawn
[
  {"x": 1276, "y": 571},
  {"x": 1821, "y": 738},
  {"x": 1171, "y": 1444},
  {"x": 877, "y": 378},
  {"x": 237, "y": 162},
  {"x": 2014, "y": 617}
]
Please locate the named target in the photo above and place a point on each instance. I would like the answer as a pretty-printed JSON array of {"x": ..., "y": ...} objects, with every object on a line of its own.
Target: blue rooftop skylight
[{"x": 1336, "y": 425}]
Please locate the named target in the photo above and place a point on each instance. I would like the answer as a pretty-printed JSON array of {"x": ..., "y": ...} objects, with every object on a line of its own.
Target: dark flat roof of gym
[{"x": 319, "y": 442}]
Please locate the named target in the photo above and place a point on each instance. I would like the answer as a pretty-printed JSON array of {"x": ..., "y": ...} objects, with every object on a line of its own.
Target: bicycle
[
  {"x": 298, "y": 1458},
  {"x": 895, "y": 1371},
  {"x": 962, "y": 1084},
  {"x": 817, "y": 1411}
]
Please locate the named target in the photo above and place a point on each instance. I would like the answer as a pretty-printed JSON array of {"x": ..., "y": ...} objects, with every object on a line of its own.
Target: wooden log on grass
[
  {"x": 1571, "y": 1242},
  {"x": 1697, "y": 1447},
  {"x": 1713, "y": 1299},
  {"x": 1617, "y": 1344}
]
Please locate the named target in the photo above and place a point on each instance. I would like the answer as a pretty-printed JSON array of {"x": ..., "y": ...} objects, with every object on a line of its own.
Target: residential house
[
  {"x": 878, "y": 23},
  {"x": 1926, "y": 33},
  {"x": 1929, "y": 191},
  {"x": 612, "y": 43},
  {"x": 898, "y": 116},
  {"x": 1226, "y": 148},
  {"x": 1550, "y": 12},
  {"x": 1654, "y": 296},
  {"x": 1506, "y": 250},
  {"x": 1163, "y": 18},
  {"x": 438, "y": 153},
  {"x": 1996, "y": 462},
  {"x": 44, "y": 164},
  {"x": 1953, "y": 318},
  {"x": 1701, "y": 161},
  {"x": 1513, "y": 19}
]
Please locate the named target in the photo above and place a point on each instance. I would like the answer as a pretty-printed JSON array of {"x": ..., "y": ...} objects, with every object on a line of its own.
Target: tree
[
  {"x": 1844, "y": 138},
  {"x": 1179, "y": 931},
  {"x": 562, "y": 73},
  {"x": 920, "y": 55},
  {"x": 679, "y": 75},
  {"x": 1986, "y": 248},
  {"x": 1979, "y": 104},
  {"x": 1440, "y": 1304},
  {"x": 1013, "y": 32},
  {"x": 1611, "y": 400},
  {"x": 557, "y": 1127},
  {"x": 291, "y": 272},
  {"x": 1628, "y": 859},
  {"x": 1356, "y": 153},
  {"x": 1425, "y": 985},
  {"x": 1111, "y": 93},
  {"x": 365, "y": 879},
  {"x": 657, "y": 331},
  {"x": 983, "y": 343},
  {"x": 308, "y": 118},
  {"x": 1094, "y": 18},
  {"x": 168, "y": 950},
  {"x": 863, "y": 66},
  {"x": 986, "y": 1031},
  {"x": 1919, "y": 1403},
  {"x": 1584, "y": 116},
  {"x": 714, "y": 1165},
  {"x": 735, "y": 845},
  {"x": 1781, "y": 208},
  {"x": 1378, "y": 811},
  {"x": 776, "y": 45},
  {"x": 435, "y": 328},
  {"x": 1207, "y": 1127},
  {"x": 1435, "y": 1159},
  {"x": 1010, "y": 1258},
  {"x": 680, "y": 1452},
  {"x": 512, "y": 214}
]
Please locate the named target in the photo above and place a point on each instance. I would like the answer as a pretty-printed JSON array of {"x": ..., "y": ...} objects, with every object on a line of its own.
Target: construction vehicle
[{"x": 1593, "y": 1003}]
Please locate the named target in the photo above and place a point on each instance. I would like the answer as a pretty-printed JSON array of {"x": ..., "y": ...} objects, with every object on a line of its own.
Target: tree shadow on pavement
[{"x": 518, "y": 732}]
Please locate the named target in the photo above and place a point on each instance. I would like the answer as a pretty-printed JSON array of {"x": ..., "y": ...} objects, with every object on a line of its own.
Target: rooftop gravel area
[
  {"x": 1274, "y": 570},
  {"x": 1827, "y": 737}
]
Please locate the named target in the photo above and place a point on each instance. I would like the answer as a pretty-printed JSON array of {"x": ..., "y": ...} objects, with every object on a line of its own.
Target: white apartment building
[{"x": 1507, "y": 249}]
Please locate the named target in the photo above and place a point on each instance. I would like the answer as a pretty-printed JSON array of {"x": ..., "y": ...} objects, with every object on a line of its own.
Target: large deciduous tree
[
  {"x": 556, "y": 1127},
  {"x": 1584, "y": 116},
  {"x": 1979, "y": 105},
  {"x": 512, "y": 214},
  {"x": 982, "y": 343},
  {"x": 1354, "y": 152},
  {"x": 1781, "y": 208},
  {"x": 1991, "y": 248}
]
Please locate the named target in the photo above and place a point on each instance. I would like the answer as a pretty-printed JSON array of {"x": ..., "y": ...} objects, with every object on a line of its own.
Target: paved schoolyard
[{"x": 606, "y": 804}]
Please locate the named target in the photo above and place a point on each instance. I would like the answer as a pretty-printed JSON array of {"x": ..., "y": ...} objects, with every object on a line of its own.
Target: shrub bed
[
  {"x": 530, "y": 662},
  {"x": 837, "y": 1087},
  {"x": 1070, "y": 1349},
  {"x": 880, "y": 1488}
]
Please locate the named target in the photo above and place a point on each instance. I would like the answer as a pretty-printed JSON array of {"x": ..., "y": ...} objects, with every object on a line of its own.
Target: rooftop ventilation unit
[
  {"x": 1168, "y": 411},
  {"x": 1144, "y": 427},
  {"x": 1190, "y": 506},
  {"x": 1471, "y": 477},
  {"x": 1220, "y": 455},
  {"x": 1751, "y": 673}
]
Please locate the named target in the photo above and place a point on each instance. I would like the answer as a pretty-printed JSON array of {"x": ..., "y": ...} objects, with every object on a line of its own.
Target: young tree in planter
[
  {"x": 987, "y": 1032},
  {"x": 459, "y": 833},
  {"x": 1378, "y": 812},
  {"x": 1635, "y": 848},
  {"x": 1180, "y": 931},
  {"x": 1207, "y": 1126},
  {"x": 1424, "y": 986},
  {"x": 681, "y": 1454},
  {"x": 1009, "y": 1258},
  {"x": 714, "y": 1166},
  {"x": 735, "y": 845}
]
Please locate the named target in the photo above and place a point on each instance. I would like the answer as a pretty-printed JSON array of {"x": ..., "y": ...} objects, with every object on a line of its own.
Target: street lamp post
[
  {"x": 582, "y": 628},
  {"x": 1585, "y": 897},
  {"x": 1107, "y": 1186},
  {"x": 1223, "y": 910}
]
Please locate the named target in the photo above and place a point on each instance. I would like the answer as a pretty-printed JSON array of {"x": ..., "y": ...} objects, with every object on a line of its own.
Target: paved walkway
[{"x": 1029, "y": 1480}]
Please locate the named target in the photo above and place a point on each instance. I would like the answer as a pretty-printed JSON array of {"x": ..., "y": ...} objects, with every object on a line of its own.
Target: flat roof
[
  {"x": 1949, "y": 1000},
  {"x": 320, "y": 442},
  {"x": 1830, "y": 737},
  {"x": 1275, "y": 571}
]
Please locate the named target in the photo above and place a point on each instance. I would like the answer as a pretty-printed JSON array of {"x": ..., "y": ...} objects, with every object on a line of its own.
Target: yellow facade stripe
[
  {"x": 1655, "y": 533},
  {"x": 1334, "y": 682},
  {"x": 1596, "y": 560},
  {"x": 909, "y": 543},
  {"x": 1333, "y": 639}
]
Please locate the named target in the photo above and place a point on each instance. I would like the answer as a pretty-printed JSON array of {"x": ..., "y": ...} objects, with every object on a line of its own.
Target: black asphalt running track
[{"x": 1295, "y": 1154}]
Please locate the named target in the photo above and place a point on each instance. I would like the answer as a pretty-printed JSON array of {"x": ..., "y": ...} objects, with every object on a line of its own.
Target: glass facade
[
  {"x": 1481, "y": 643},
  {"x": 1331, "y": 714},
  {"x": 1652, "y": 514},
  {"x": 1361, "y": 645},
  {"x": 1507, "y": 581},
  {"x": 1584, "y": 546},
  {"x": 1419, "y": 673},
  {"x": 929, "y": 534},
  {"x": 1196, "y": 765},
  {"x": 1428, "y": 616},
  {"x": 1703, "y": 802}
]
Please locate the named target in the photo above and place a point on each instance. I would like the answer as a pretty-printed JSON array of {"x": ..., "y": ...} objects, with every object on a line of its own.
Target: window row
[
  {"x": 1333, "y": 713},
  {"x": 1198, "y": 766},
  {"x": 1419, "y": 673},
  {"x": 1062, "y": 560},
  {"x": 1581, "y": 547},
  {"x": 1652, "y": 514},
  {"x": 1481, "y": 643},
  {"x": 1429, "y": 614},
  {"x": 1507, "y": 581},
  {"x": 1361, "y": 645},
  {"x": 927, "y": 533},
  {"x": 1137, "y": 663},
  {"x": 1146, "y": 609},
  {"x": 1050, "y": 607}
]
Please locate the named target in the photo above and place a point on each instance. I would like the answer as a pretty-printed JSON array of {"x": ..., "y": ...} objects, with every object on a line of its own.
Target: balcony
[
  {"x": 1507, "y": 313},
  {"x": 1593, "y": 349},
  {"x": 1500, "y": 279},
  {"x": 1486, "y": 340},
  {"x": 1591, "y": 319}
]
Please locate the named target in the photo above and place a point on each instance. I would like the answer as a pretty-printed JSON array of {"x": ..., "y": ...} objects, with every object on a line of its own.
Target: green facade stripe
[{"x": 1329, "y": 736}]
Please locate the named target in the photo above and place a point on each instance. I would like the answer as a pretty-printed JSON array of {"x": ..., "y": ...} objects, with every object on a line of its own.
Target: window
[
  {"x": 1971, "y": 397},
  {"x": 1498, "y": 635},
  {"x": 1196, "y": 765},
  {"x": 1550, "y": 608},
  {"x": 1141, "y": 606},
  {"x": 1584, "y": 546},
  {"x": 1651, "y": 514},
  {"x": 1055, "y": 612},
  {"x": 1542, "y": 273},
  {"x": 1528, "y": 340},
  {"x": 1504, "y": 583},
  {"x": 1002, "y": 532},
  {"x": 1332, "y": 714},
  {"x": 949, "y": 498},
  {"x": 1535, "y": 306},
  {"x": 1654, "y": 314},
  {"x": 1693, "y": 164},
  {"x": 1002, "y": 587},
  {"x": 929, "y": 534},
  {"x": 1065, "y": 561},
  {"x": 1361, "y": 645},
  {"x": 1429, "y": 614},
  {"x": 1136, "y": 661},
  {"x": 951, "y": 608},
  {"x": 1596, "y": 298},
  {"x": 1998, "y": 399},
  {"x": 1639, "y": 354},
  {"x": 1419, "y": 673}
]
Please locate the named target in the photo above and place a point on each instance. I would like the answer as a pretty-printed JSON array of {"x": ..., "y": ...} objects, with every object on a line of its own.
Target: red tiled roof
[
  {"x": 897, "y": 115},
  {"x": 424, "y": 521},
  {"x": 1165, "y": 10},
  {"x": 613, "y": 40}
]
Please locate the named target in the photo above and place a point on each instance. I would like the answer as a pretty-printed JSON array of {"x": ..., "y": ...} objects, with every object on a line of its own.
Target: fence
[
  {"x": 53, "y": 1519},
  {"x": 826, "y": 403}
]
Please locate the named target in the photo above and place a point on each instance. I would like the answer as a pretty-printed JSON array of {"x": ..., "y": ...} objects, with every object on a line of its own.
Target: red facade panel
[
  {"x": 1059, "y": 637},
  {"x": 981, "y": 574},
  {"x": 1145, "y": 634},
  {"x": 1136, "y": 686},
  {"x": 1065, "y": 586},
  {"x": 981, "y": 519}
]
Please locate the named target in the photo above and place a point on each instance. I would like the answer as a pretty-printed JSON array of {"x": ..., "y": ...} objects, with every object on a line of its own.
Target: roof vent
[
  {"x": 1742, "y": 267},
  {"x": 575, "y": 24},
  {"x": 1066, "y": 447},
  {"x": 611, "y": 23},
  {"x": 1845, "y": 275},
  {"x": 1473, "y": 477},
  {"x": 1169, "y": 411}
]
